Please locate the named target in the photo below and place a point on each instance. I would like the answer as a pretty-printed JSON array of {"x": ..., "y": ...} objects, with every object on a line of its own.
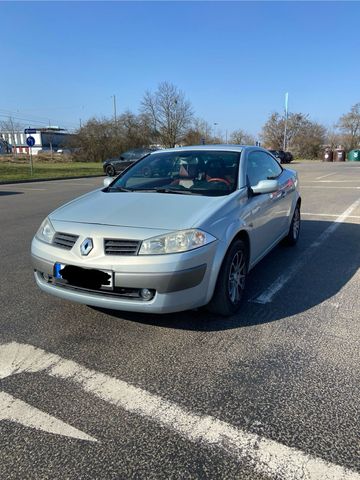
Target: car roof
[{"x": 212, "y": 147}]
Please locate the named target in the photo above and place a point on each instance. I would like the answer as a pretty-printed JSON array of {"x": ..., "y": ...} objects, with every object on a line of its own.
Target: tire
[
  {"x": 110, "y": 171},
  {"x": 294, "y": 231},
  {"x": 228, "y": 293}
]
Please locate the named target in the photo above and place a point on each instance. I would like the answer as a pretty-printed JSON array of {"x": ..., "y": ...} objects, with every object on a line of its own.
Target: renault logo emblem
[{"x": 86, "y": 246}]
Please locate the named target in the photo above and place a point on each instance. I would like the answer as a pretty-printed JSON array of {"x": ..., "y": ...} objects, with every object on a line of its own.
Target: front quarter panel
[
  {"x": 225, "y": 224},
  {"x": 295, "y": 194}
]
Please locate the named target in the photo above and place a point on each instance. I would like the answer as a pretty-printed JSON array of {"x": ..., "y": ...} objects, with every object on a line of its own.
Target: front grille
[
  {"x": 65, "y": 240},
  {"x": 118, "y": 292},
  {"x": 115, "y": 246}
]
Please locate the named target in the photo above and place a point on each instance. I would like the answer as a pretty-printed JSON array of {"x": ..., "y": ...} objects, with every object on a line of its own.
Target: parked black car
[
  {"x": 112, "y": 166},
  {"x": 281, "y": 156}
]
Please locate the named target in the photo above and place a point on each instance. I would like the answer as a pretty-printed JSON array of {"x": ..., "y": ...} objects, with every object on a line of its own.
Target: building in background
[{"x": 46, "y": 140}]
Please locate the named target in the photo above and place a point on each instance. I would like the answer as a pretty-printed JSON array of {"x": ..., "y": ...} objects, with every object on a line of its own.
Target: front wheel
[
  {"x": 110, "y": 171},
  {"x": 230, "y": 284},
  {"x": 294, "y": 231}
]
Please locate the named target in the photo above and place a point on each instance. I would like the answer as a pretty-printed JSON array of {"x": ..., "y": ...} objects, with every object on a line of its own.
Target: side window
[
  {"x": 125, "y": 156},
  {"x": 261, "y": 166}
]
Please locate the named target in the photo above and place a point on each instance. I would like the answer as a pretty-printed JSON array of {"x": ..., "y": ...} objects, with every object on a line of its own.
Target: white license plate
[{"x": 110, "y": 280}]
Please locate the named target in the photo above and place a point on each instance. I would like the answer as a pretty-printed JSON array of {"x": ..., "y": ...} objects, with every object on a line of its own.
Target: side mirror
[
  {"x": 107, "y": 181},
  {"x": 265, "y": 186},
  {"x": 121, "y": 157}
]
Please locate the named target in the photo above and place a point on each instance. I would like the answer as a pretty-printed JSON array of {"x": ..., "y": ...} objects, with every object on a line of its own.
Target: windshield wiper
[
  {"x": 119, "y": 189},
  {"x": 175, "y": 190},
  {"x": 164, "y": 190},
  {"x": 156, "y": 190}
]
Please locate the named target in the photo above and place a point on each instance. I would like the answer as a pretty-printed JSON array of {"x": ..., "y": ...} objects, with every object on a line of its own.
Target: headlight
[
  {"x": 176, "y": 242},
  {"x": 46, "y": 231}
]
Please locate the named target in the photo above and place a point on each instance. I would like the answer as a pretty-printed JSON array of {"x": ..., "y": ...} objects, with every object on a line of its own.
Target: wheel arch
[
  {"x": 244, "y": 236},
  {"x": 241, "y": 234}
]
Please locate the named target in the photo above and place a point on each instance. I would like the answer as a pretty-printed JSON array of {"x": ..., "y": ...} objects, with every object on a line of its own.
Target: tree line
[{"x": 166, "y": 119}]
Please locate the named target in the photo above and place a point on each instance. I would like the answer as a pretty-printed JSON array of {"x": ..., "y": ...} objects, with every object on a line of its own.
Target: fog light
[
  {"x": 46, "y": 277},
  {"x": 146, "y": 294}
]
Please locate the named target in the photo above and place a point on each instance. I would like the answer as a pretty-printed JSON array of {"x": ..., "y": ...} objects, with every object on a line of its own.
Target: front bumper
[{"x": 180, "y": 281}]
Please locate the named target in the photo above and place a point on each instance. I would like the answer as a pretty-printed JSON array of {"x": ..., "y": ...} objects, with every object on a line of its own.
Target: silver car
[{"x": 178, "y": 229}]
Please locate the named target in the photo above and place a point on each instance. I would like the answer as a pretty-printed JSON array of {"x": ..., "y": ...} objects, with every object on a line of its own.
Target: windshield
[{"x": 192, "y": 172}]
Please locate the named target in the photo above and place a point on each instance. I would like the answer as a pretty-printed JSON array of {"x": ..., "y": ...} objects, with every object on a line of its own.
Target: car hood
[
  {"x": 139, "y": 209},
  {"x": 109, "y": 160}
]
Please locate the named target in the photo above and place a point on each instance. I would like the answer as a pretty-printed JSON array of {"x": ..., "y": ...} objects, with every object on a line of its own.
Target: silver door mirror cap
[
  {"x": 265, "y": 186},
  {"x": 107, "y": 181}
]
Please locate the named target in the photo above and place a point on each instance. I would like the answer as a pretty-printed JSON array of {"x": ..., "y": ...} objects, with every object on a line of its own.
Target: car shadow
[
  {"x": 322, "y": 275},
  {"x": 3, "y": 193}
]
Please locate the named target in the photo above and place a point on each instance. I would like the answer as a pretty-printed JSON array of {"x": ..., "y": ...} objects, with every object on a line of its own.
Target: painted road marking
[
  {"x": 81, "y": 184},
  {"x": 320, "y": 186},
  {"x": 273, "y": 289},
  {"x": 17, "y": 411},
  {"x": 265, "y": 456},
  {"x": 327, "y": 175},
  {"x": 332, "y": 181},
  {"x": 21, "y": 188},
  {"x": 327, "y": 215}
]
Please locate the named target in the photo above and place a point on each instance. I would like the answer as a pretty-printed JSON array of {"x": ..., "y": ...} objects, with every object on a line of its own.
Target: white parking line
[
  {"x": 21, "y": 188},
  {"x": 265, "y": 456},
  {"x": 327, "y": 175},
  {"x": 326, "y": 215},
  {"x": 272, "y": 290},
  {"x": 17, "y": 411},
  {"x": 320, "y": 186},
  {"x": 333, "y": 181},
  {"x": 81, "y": 184}
]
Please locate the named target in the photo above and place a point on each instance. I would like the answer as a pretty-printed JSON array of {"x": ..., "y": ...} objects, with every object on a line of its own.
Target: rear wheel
[
  {"x": 110, "y": 171},
  {"x": 294, "y": 231},
  {"x": 230, "y": 284}
]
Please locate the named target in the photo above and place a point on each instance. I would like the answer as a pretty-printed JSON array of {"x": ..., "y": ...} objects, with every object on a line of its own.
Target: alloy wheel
[
  {"x": 296, "y": 223},
  {"x": 237, "y": 275}
]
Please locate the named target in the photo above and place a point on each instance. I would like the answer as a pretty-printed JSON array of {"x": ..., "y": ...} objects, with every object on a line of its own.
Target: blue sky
[{"x": 62, "y": 61}]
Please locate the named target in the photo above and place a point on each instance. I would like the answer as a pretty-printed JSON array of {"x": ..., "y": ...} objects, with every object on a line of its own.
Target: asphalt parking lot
[{"x": 272, "y": 393}]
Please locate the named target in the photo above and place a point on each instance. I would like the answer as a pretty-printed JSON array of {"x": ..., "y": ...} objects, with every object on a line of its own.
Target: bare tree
[
  {"x": 332, "y": 137},
  {"x": 198, "y": 133},
  {"x": 304, "y": 137},
  {"x": 349, "y": 124},
  {"x": 96, "y": 141},
  {"x": 12, "y": 127},
  {"x": 99, "y": 139},
  {"x": 273, "y": 130},
  {"x": 135, "y": 130},
  {"x": 309, "y": 140},
  {"x": 169, "y": 112},
  {"x": 240, "y": 137}
]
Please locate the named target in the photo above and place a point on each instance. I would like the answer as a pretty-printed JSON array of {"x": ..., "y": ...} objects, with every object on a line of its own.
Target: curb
[{"x": 50, "y": 179}]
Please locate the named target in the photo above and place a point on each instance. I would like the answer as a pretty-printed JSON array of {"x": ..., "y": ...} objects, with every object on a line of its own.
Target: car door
[
  {"x": 123, "y": 161},
  {"x": 266, "y": 213}
]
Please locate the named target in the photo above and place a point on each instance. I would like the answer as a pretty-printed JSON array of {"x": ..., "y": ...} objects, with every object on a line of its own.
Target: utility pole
[
  {"x": 114, "y": 99},
  {"x": 80, "y": 122},
  {"x": 286, "y": 121}
]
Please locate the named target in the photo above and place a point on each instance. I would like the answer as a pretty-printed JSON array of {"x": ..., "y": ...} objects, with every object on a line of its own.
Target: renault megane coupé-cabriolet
[{"x": 179, "y": 229}]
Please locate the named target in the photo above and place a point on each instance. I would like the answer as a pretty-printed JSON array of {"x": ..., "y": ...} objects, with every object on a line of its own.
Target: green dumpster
[{"x": 354, "y": 156}]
